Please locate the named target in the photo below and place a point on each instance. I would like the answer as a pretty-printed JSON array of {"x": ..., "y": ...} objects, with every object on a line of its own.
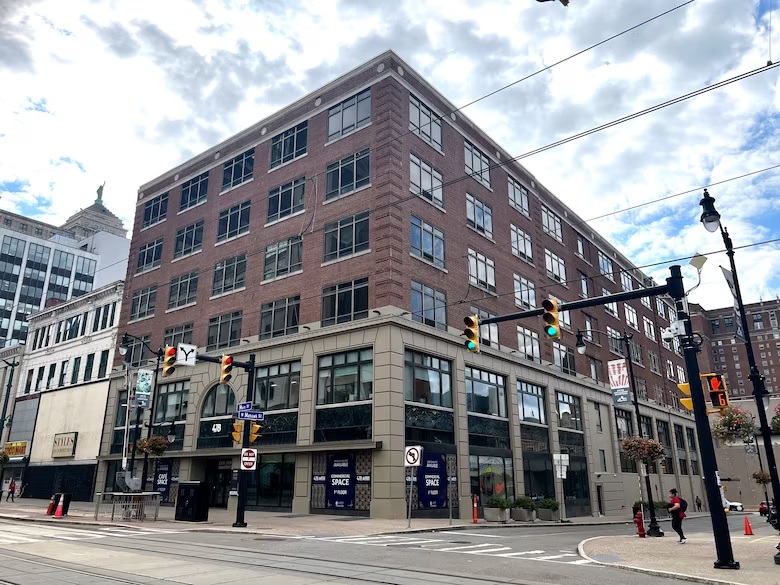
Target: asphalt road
[{"x": 36, "y": 553}]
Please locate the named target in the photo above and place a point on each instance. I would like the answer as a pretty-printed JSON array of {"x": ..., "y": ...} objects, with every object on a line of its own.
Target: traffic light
[
  {"x": 686, "y": 389},
  {"x": 472, "y": 333},
  {"x": 719, "y": 395},
  {"x": 254, "y": 432},
  {"x": 238, "y": 431},
  {"x": 227, "y": 368},
  {"x": 552, "y": 327},
  {"x": 169, "y": 361}
]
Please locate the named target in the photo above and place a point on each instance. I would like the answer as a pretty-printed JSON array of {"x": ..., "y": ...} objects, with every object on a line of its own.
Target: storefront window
[
  {"x": 427, "y": 379},
  {"x": 491, "y": 476},
  {"x": 271, "y": 486}
]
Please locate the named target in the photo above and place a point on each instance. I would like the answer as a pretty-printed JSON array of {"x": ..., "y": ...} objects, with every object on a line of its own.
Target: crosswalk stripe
[
  {"x": 581, "y": 562},
  {"x": 525, "y": 552},
  {"x": 412, "y": 542},
  {"x": 467, "y": 533},
  {"x": 550, "y": 557},
  {"x": 487, "y": 552},
  {"x": 465, "y": 547},
  {"x": 17, "y": 539}
]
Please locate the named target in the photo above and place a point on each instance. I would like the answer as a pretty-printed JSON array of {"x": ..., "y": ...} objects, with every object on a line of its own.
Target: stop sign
[{"x": 248, "y": 459}]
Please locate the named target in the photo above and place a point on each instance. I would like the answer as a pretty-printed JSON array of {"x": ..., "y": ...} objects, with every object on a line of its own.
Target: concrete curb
[
  {"x": 657, "y": 573},
  {"x": 65, "y": 521}
]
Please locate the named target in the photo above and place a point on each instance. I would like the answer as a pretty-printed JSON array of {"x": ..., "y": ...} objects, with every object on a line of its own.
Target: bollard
[
  {"x": 640, "y": 524},
  {"x": 474, "y": 500}
]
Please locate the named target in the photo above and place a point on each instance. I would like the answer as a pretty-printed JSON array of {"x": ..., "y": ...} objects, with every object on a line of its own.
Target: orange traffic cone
[
  {"x": 50, "y": 508},
  {"x": 59, "y": 514},
  {"x": 748, "y": 529}
]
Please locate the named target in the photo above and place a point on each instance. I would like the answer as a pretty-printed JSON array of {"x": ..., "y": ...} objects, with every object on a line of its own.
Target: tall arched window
[{"x": 219, "y": 401}]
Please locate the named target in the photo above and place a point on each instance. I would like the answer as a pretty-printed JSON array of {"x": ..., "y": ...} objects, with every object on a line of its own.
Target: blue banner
[
  {"x": 162, "y": 478},
  {"x": 340, "y": 483},
  {"x": 432, "y": 481}
]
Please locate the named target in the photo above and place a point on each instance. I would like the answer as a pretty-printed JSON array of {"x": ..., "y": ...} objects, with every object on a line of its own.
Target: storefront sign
[
  {"x": 162, "y": 478},
  {"x": 64, "y": 445},
  {"x": 16, "y": 449},
  {"x": 432, "y": 481},
  {"x": 340, "y": 484}
]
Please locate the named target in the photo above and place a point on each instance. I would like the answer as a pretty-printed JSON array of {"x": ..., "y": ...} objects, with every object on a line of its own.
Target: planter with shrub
[
  {"x": 548, "y": 510},
  {"x": 523, "y": 509},
  {"x": 497, "y": 509}
]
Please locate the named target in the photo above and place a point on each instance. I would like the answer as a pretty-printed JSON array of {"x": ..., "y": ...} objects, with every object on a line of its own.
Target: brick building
[{"x": 342, "y": 241}]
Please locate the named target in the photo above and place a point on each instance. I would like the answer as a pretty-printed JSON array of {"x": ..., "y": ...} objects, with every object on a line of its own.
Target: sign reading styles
[{"x": 64, "y": 445}]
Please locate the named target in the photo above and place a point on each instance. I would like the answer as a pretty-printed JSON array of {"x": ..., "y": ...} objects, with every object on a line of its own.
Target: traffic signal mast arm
[{"x": 582, "y": 304}]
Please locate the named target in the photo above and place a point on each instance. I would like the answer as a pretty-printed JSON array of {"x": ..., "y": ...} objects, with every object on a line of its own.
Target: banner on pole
[{"x": 619, "y": 382}]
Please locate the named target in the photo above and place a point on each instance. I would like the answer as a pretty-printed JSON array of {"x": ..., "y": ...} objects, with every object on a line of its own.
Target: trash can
[
  {"x": 192, "y": 503},
  {"x": 65, "y": 503}
]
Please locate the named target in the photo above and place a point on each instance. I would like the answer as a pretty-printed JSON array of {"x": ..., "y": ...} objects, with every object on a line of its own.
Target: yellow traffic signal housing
[
  {"x": 254, "y": 432},
  {"x": 552, "y": 325},
  {"x": 169, "y": 361},
  {"x": 686, "y": 389},
  {"x": 472, "y": 333},
  {"x": 719, "y": 395},
  {"x": 238, "y": 432},
  {"x": 226, "y": 369}
]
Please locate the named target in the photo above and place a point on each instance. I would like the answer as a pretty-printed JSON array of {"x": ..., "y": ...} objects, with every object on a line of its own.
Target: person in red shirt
[{"x": 676, "y": 513}]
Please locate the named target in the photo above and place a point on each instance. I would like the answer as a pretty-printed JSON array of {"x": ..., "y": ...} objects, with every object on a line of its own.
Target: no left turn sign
[
  {"x": 413, "y": 456},
  {"x": 248, "y": 459}
]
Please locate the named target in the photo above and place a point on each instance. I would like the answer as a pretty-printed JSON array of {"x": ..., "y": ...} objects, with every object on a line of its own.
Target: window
[
  {"x": 683, "y": 466},
  {"x": 178, "y": 334},
  {"x": 485, "y": 393},
  {"x": 424, "y": 122},
  {"x": 563, "y": 358},
  {"x": 521, "y": 244},
  {"x": 429, "y": 306},
  {"x": 757, "y": 321},
  {"x": 349, "y": 115},
  {"x": 479, "y": 216},
  {"x": 289, "y": 145},
  {"x": 234, "y": 221},
  {"x": 626, "y": 281},
  {"x": 631, "y": 317},
  {"x": 488, "y": 334},
  {"x": 679, "y": 437},
  {"x": 528, "y": 344},
  {"x": 143, "y": 303},
  {"x": 347, "y": 301},
  {"x": 91, "y": 363},
  {"x": 615, "y": 340},
  {"x": 285, "y": 257},
  {"x": 609, "y": 308},
  {"x": 278, "y": 386},
  {"x": 518, "y": 197},
  {"x": 680, "y": 374},
  {"x": 603, "y": 459},
  {"x": 655, "y": 362},
  {"x": 103, "y": 366},
  {"x": 569, "y": 411},
  {"x": 345, "y": 377},
  {"x": 669, "y": 370},
  {"x": 280, "y": 317},
  {"x": 551, "y": 224},
  {"x": 530, "y": 399},
  {"x": 155, "y": 210},
  {"x": 189, "y": 240},
  {"x": 635, "y": 351},
  {"x": 583, "y": 286},
  {"x": 596, "y": 369},
  {"x": 556, "y": 269},
  {"x": 694, "y": 467},
  {"x": 599, "y": 421},
  {"x": 660, "y": 305},
  {"x": 425, "y": 181},
  {"x": 74, "y": 377},
  {"x": 149, "y": 256},
  {"x": 649, "y": 328},
  {"x": 224, "y": 331},
  {"x": 286, "y": 199},
  {"x": 427, "y": 242},
  {"x": 477, "y": 164},
  {"x": 63, "y": 372},
  {"x": 525, "y": 292},
  {"x": 591, "y": 325},
  {"x": 605, "y": 266},
  {"x": 238, "y": 170},
  {"x": 194, "y": 191},
  {"x": 220, "y": 401},
  {"x": 482, "y": 271},
  {"x": 427, "y": 379},
  {"x": 171, "y": 401},
  {"x": 583, "y": 248},
  {"x": 346, "y": 237},
  {"x": 229, "y": 275},
  {"x": 184, "y": 290},
  {"x": 646, "y": 302},
  {"x": 625, "y": 426},
  {"x": 728, "y": 322},
  {"x": 691, "y": 436},
  {"x": 348, "y": 174}
]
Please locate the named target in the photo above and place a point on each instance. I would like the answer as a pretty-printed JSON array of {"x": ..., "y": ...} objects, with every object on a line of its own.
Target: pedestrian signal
[
  {"x": 472, "y": 333},
  {"x": 716, "y": 386}
]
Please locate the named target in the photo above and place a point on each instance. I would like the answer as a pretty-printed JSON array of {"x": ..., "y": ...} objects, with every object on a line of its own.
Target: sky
[{"x": 117, "y": 91}]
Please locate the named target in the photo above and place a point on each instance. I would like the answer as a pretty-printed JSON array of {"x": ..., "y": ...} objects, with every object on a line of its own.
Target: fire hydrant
[{"x": 640, "y": 524}]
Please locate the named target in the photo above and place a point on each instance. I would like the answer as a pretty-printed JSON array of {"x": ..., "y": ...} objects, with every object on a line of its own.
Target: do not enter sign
[
  {"x": 413, "y": 456},
  {"x": 248, "y": 459}
]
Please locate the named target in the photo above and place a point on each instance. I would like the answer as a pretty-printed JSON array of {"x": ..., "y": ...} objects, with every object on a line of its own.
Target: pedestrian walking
[
  {"x": 698, "y": 504},
  {"x": 677, "y": 507},
  {"x": 11, "y": 490}
]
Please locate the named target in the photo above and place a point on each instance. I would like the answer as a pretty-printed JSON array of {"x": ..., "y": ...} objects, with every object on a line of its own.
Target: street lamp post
[
  {"x": 710, "y": 218},
  {"x": 11, "y": 365},
  {"x": 654, "y": 529}
]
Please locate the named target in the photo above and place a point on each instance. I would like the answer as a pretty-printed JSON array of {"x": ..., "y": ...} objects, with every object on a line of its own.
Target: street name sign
[
  {"x": 251, "y": 415},
  {"x": 242, "y": 406}
]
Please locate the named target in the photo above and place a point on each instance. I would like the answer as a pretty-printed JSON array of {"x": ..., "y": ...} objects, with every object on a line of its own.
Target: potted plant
[
  {"x": 154, "y": 445},
  {"x": 734, "y": 424},
  {"x": 548, "y": 510},
  {"x": 522, "y": 509},
  {"x": 497, "y": 509}
]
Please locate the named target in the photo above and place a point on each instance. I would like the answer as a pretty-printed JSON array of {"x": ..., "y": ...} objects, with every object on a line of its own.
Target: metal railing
[{"x": 127, "y": 506}]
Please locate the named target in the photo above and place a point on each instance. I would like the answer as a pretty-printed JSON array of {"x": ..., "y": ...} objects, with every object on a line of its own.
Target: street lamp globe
[
  {"x": 709, "y": 216},
  {"x": 580, "y": 344}
]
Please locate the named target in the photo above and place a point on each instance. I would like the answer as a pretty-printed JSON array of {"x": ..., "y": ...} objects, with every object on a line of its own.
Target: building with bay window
[{"x": 308, "y": 242}]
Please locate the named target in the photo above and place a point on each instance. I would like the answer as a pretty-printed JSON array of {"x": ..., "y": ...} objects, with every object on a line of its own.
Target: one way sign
[{"x": 186, "y": 354}]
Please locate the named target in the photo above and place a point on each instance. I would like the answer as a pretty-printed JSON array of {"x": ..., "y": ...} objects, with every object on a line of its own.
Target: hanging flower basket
[
  {"x": 774, "y": 424},
  {"x": 638, "y": 449},
  {"x": 761, "y": 477},
  {"x": 734, "y": 424},
  {"x": 4, "y": 458},
  {"x": 154, "y": 445}
]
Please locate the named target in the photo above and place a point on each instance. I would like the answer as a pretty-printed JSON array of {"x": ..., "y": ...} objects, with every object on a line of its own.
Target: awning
[{"x": 17, "y": 462}]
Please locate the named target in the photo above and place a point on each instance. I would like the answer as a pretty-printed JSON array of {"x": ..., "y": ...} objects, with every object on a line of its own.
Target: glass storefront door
[{"x": 271, "y": 486}]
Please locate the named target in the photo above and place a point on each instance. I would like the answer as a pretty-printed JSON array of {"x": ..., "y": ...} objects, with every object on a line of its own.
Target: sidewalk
[
  {"x": 692, "y": 561},
  {"x": 280, "y": 523}
]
